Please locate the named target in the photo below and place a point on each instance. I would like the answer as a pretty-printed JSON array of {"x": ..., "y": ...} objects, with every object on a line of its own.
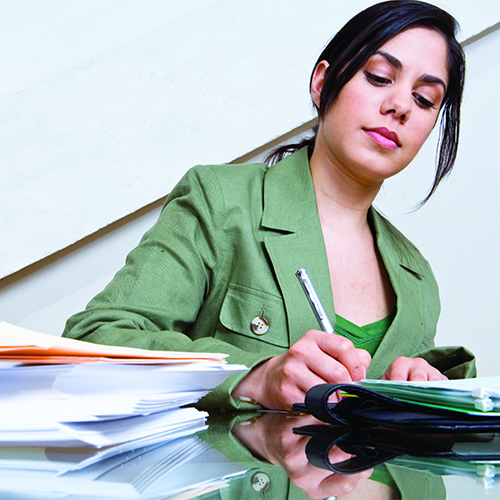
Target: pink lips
[{"x": 384, "y": 137}]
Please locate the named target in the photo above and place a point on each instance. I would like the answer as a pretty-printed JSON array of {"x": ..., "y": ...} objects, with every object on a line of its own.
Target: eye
[
  {"x": 376, "y": 79},
  {"x": 423, "y": 102}
]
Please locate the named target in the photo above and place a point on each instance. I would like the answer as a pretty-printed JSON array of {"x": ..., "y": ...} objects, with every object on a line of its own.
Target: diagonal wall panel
[{"x": 104, "y": 138}]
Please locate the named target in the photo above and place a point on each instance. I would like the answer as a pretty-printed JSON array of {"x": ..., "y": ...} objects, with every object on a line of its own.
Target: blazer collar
[
  {"x": 395, "y": 249},
  {"x": 290, "y": 210},
  {"x": 290, "y": 204},
  {"x": 289, "y": 197}
]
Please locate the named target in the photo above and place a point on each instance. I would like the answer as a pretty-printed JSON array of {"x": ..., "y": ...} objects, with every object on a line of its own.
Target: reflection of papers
[
  {"x": 181, "y": 468},
  {"x": 486, "y": 474},
  {"x": 61, "y": 460}
]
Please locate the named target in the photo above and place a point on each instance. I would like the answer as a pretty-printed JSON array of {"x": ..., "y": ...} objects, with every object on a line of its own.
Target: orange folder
[{"x": 26, "y": 346}]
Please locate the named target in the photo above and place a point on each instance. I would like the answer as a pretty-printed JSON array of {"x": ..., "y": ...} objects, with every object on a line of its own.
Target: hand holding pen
[
  {"x": 314, "y": 359},
  {"x": 317, "y": 307}
]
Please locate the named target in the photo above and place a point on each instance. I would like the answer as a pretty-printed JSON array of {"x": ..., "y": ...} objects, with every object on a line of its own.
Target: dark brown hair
[{"x": 361, "y": 37}]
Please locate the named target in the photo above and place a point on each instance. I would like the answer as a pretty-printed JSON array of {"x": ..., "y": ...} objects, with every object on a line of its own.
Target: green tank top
[{"x": 366, "y": 337}]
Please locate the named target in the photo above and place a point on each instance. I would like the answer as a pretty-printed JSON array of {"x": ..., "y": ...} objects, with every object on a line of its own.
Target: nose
[{"x": 398, "y": 103}]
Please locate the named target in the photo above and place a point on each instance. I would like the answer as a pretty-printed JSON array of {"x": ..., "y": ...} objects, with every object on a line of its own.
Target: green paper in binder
[{"x": 473, "y": 395}]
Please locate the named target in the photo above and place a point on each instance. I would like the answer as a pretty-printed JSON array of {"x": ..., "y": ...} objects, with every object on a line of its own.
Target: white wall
[
  {"x": 109, "y": 128},
  {"x": 104, "y": 104},
  {"x": 68, "y": 171}
]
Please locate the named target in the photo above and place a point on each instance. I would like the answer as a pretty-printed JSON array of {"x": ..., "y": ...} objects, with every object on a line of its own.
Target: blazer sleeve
[
  {"x": 153, "y": 302},
  {"x": 454, "y": 362}
]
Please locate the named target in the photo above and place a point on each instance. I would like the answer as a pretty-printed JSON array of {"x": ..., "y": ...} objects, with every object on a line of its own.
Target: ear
[{"x": 317, "y": 81}]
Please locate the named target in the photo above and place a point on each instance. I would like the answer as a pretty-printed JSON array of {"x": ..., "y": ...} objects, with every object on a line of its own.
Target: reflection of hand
[
  {"x": 317, "y": 358},
  {"x": 271, "y": 437},
  {"x": 417, "y": 369}
]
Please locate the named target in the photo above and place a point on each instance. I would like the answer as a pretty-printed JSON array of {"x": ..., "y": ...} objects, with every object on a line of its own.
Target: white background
[{"x": 105, "y": 103}]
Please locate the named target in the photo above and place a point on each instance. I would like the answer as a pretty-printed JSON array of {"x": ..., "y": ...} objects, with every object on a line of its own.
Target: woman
[{"x": 217, "y": 271}]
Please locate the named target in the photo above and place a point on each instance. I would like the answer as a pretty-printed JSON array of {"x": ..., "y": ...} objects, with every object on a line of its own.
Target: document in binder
[{"x": 472, "y": 394}]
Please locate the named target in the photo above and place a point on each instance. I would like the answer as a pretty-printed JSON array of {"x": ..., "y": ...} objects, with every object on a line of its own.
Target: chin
[{"x": 379, "y": 172}]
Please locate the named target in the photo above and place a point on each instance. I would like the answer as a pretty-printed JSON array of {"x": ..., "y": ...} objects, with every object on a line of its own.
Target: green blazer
[{"x": 225, "y": 251}]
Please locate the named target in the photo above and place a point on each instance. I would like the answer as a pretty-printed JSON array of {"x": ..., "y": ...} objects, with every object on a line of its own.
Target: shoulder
[
  {"x": 221, "y": 195},
  {"x": 228, "y": 181},
  {"x": 227, "y": 174}
]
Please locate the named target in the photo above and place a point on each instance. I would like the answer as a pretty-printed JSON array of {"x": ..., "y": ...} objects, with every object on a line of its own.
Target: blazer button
[
  {"x": 259, "y": 325},
  {"x": 260, "y": 482}
]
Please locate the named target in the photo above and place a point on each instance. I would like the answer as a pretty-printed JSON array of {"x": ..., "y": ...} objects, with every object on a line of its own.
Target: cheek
[
  {"x": 421, "y": 133},
  {"x": 349, "y": 109},
  {"x": 354, "y": 101}
]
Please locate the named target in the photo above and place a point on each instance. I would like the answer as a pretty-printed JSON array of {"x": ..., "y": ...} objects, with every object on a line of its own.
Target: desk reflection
[
  {"x": 278, "y": 468},
  {"x": 244, "y": 456}
]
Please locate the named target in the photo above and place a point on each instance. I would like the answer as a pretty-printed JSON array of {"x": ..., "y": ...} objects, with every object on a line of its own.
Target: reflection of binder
[
  {"x": 370, "y": 447},
  {"x": 364, "y": 407}
]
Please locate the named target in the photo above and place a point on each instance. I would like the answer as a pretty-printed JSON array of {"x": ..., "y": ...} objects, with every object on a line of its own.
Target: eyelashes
[
  {"x": 381, "y": 81},
  {"x": 423, "y": 102},
  {"x": 376, "y": 80}
]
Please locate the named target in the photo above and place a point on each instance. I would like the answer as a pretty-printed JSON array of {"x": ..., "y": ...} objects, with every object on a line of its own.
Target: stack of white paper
[
  {"x": 100, "y": 434},
  {"x": 81, "y": 420},
  {"x": 98, "y": 391},
  {"x": 63, "y": 392}
]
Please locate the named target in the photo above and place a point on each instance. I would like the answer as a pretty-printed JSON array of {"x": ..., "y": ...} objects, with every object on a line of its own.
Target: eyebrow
[{"x": 397, "y": 64}]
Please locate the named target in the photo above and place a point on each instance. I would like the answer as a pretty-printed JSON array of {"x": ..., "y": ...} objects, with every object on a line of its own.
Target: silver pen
[{"x": 314, "y": 301}]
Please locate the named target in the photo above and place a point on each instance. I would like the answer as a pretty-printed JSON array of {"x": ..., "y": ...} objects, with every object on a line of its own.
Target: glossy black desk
[{"x": 240, "y": 456}]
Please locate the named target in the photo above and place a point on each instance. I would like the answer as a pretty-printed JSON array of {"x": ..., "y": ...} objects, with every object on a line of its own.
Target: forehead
[{"x": 421, "y": 51}]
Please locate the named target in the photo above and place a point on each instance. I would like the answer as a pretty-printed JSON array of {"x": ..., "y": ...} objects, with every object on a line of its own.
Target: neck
[{"x": 343, "y": 200}]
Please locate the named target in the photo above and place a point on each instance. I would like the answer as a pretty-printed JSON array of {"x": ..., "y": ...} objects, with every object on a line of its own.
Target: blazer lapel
[
  {"x": 296, "y": 242},
  {"x": 411, "y": 282},
  {"x": 290, "y": 210}
]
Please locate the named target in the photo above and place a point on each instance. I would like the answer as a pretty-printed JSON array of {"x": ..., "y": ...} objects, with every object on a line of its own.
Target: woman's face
[{"x": 383, "y": 115}]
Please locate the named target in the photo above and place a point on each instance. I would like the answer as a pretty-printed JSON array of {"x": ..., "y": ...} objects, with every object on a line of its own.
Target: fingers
[
  {"x": 323, "y": 484},
  {"x": 416, "y": 369},
  {"x": 355, "y": 361},
  {"x": 365, "y": 359},
  {"x": 305, "y": 365}
]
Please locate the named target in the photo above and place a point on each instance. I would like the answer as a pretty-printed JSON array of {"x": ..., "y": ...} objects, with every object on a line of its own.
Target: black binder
[{"x": 367, "y": 408}]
